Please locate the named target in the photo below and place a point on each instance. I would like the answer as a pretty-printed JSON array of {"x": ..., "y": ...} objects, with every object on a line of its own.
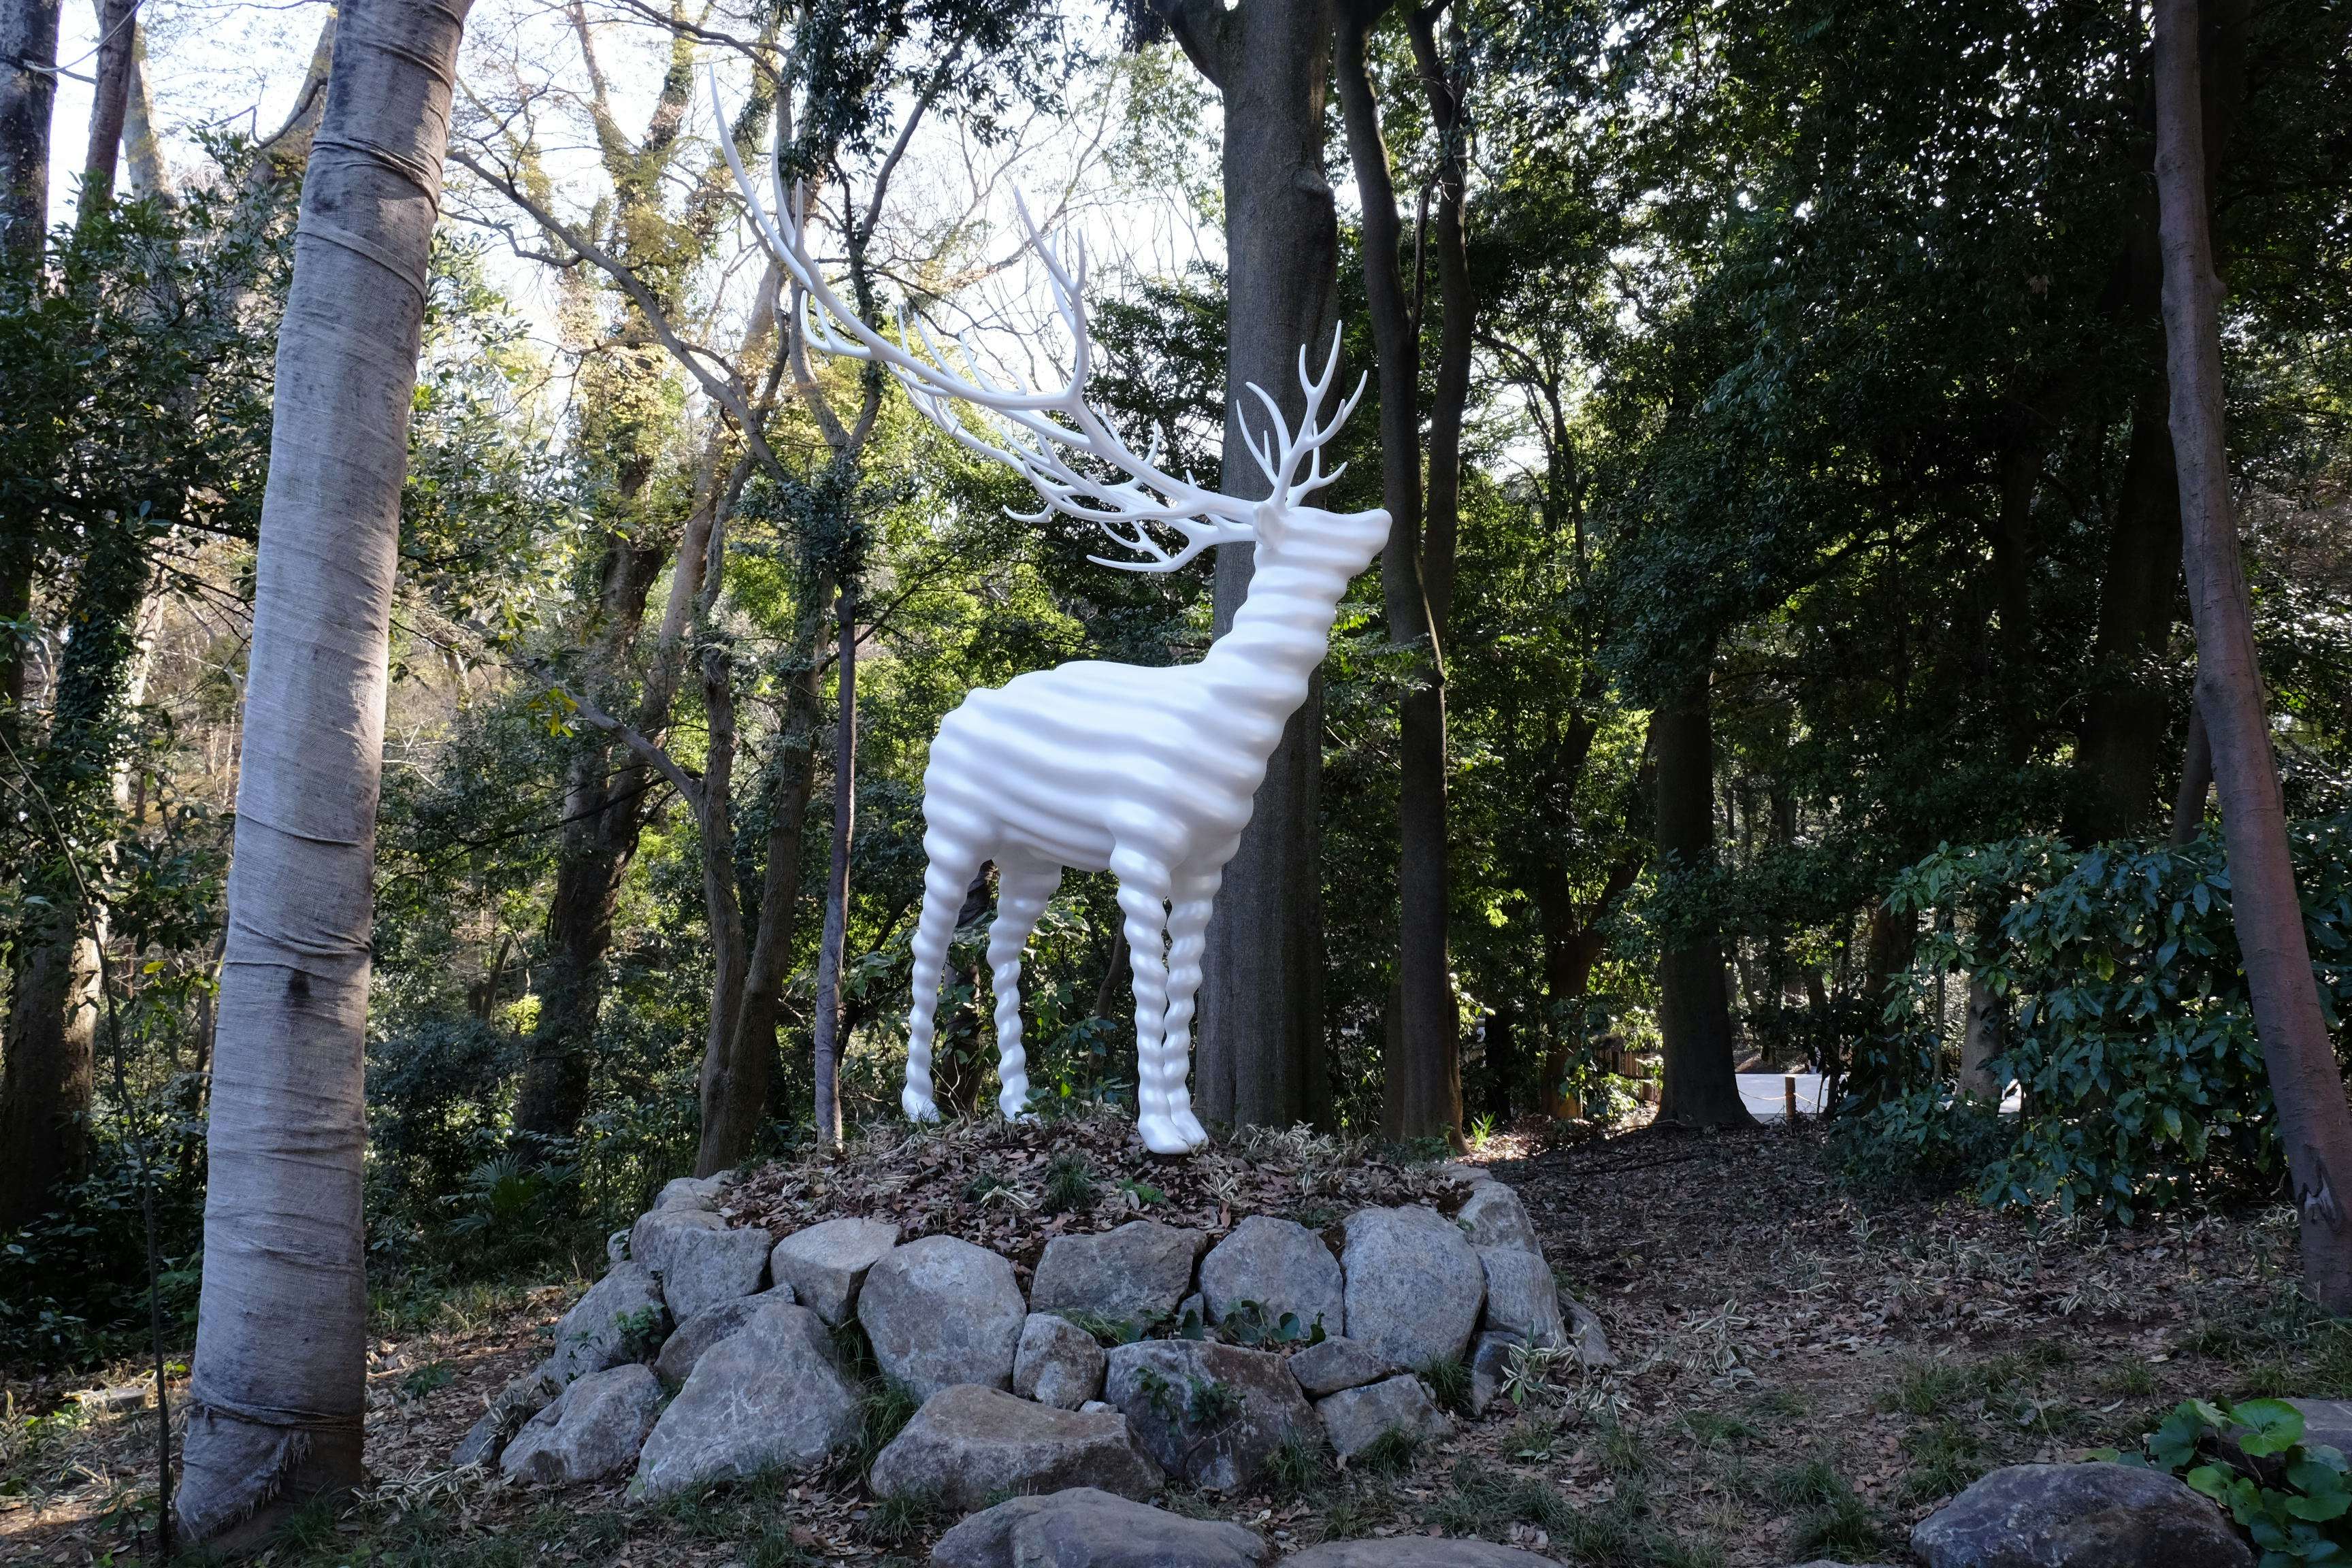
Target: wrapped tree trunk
[
  {"x": 280, "y": 1386},
  {"x": 2314, "y": 1123}
]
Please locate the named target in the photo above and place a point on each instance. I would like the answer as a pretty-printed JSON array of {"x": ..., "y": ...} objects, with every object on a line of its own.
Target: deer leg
[
  {"x": 1188, "y": 926},
  {"x": 1143, "y": 901},
  {"x": 944, "y": 883},
  {"x": 1022, "y": 891}
]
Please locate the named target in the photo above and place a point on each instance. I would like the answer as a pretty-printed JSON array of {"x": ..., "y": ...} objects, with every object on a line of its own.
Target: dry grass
[{"x": 1803, "y": 1374}]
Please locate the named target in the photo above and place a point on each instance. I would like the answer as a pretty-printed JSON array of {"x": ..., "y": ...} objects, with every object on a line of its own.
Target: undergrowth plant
[{"x": 2291, "y": 1496}]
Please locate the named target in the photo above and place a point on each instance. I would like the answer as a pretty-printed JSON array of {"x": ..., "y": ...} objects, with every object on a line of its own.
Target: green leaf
[{"x": 2273, "y": 1426}]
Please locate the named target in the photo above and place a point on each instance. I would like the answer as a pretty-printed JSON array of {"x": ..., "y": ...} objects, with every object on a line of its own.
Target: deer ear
[{"x": 1268, "y": 521}]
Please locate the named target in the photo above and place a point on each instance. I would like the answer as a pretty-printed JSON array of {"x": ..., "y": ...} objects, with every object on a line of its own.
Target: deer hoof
[
  {"x": 1161, "y": 1136},
  {"x": 1188, "y": 1124},
  {"x": 917, "y": 1107}
]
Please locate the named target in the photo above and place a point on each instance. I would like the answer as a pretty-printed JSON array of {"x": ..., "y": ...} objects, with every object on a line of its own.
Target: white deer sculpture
[{"x": 1146, "y": 773}]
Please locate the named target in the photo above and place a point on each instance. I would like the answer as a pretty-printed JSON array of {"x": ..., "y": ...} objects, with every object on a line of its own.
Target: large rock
[
  {"x": 2326, "y": 1423},
  {"x": 594, "y": 1430},
  {"x": 699, "y": 1259},
  {"x": 1490, "y": 1365},
  {"x": 1521, "y": 1296},
  {"x": 1585, "y": 1332},
  {"x": 620, "y": 1319},
  {"x": 688, "y": 1341},
  {"x": 1492, "y": 1216},
  {"x": 1087, "y": 1528},
  {"x": 827, "y": 1263},
  {"x": 942, "y": 1311},
  {"x": 1136, "y": 1273},
  {"x": 1281, "y": 1266},
  {"x": 769, "y": 1395},
  {"x": 968, "y": 1444},
  {"x": 1414, "y": 1552},
  {"x": 2078, "y": 1516},
  {"x": 1355, "y": 1418},
  {"x": 1209, "y": 1413},
  {"x": 1415, "y": 1284},
  {"x": 1339, "y": 1364},
  {"x": 1057, "y": 1363},
  {"x": 692, "y": 1192},
  {"x": 523, "y": 1397}
]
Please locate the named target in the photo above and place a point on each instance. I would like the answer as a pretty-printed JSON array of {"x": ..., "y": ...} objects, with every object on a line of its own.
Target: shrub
[{"x": 2127, "y": 1022}]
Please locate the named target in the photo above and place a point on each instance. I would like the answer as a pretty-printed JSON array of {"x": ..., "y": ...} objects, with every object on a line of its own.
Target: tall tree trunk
[
  {"x": 45, "y": 1097},
  {"x": 28, "y": 35},
  {"x": 722, "y": 905},
  {"x": 1700, "y": 1087},
  {"x": 735, "y": 1089},
  {"x": 2196, "y": 780},
  {"x": 110, "y": 101},
  {"x": 1260, "y": 1059},
  {"x": 2120, "y": 748},
  {"x": 151, "y": 176},
  {"x": 836, "y": 937},
  {"x": 604, "y": 811},
  {"x": 1420, "y": 1095},
  {"x": 28, "y": 39},
  {"x": 2124, "y": 721},
  {"x": 2315, "y": 1125},
  {"x": 278, "y": 1391}
]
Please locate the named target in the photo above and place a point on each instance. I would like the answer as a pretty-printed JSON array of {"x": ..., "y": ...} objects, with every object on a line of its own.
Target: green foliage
[
  {"x": 2251, "y": 1458},
  {"x": 503, "y": 1209},
  {"x": 1070, "y": 1186},
  {"x": 1392, "y": 1453},
  {"x": 885, "y": 1405},
  {"x": 1296, "y": 1468},
  {"x": 1252, "y": 1323},
  {"x": 2127, "y": 1022},
  {"x": 1484, "y": 1500},
  {"x": 1447, "y": 1378}
]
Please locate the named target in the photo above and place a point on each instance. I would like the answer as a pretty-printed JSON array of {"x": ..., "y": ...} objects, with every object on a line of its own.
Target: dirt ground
[{"x": 1805, "y": 1370}]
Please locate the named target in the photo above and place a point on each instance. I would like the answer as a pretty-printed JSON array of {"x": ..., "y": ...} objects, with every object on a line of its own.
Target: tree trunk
[
  {"x": 1501, "y": 1059},
  {"x": 1421, "y": 1079},
  {"x": 836, "y": 937},
  {"x": 1260, "y": 1056},
  {"x": 28, "y": 32},
  {"x": 45, "y": 1098},
  {"x": 2124, "y": 721},
  {"x": 278, "y": 1391},
  {"x": 735, "y": 1096},
  {"x": 28, "y": 35},
  {"x": 604, "y": 811},
  {"x": 2315, "y": 1125},
  {"x": 722, "y": 905},
  {"x": 1700, "y": 1087},
  {"x": 1980, "y": 1041},
  {"x": 151, "y": 176},
  {"x": 110, "y": 101},
  {"x": 2196, "y": 781}
]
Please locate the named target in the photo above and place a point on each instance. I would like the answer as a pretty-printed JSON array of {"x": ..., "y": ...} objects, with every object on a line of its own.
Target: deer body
[{"x": 1147, "y": 772}]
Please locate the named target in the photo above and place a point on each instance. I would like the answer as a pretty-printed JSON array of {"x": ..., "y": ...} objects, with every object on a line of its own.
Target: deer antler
[{"x": 1043, "y": 435}]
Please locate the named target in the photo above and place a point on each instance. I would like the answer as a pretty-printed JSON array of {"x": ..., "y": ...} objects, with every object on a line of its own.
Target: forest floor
[{"x": 1805, "y": 1370}]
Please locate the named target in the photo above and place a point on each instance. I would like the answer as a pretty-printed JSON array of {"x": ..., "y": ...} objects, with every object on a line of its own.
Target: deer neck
[{"x": 1265, "y": 661}]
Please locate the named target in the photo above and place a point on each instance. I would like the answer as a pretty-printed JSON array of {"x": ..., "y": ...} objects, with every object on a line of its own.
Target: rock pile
[{"x": 749, "y": 1339}]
